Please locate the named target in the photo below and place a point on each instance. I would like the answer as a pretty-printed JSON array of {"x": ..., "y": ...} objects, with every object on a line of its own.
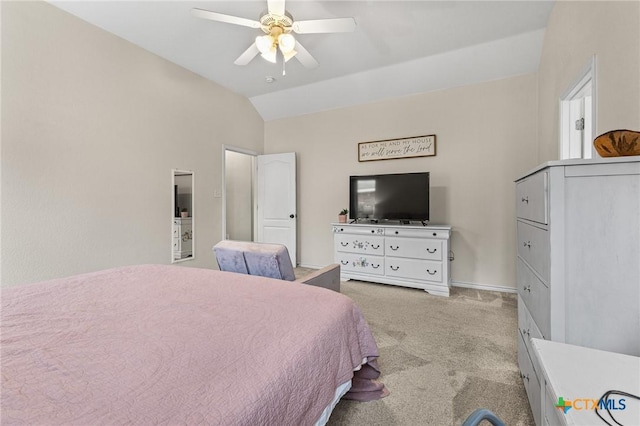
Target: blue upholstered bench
[{"x": 270, "y": 260}]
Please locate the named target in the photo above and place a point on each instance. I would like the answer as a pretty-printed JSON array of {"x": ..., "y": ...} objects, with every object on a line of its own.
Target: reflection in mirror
[
  {"x": 182, "y": 226},
  {"x": 238, "y": 196}
]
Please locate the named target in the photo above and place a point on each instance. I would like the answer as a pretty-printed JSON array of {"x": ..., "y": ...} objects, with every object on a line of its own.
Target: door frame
[
  {"x": 576, "y": 90},
  {"x": 254, "y": 154}
]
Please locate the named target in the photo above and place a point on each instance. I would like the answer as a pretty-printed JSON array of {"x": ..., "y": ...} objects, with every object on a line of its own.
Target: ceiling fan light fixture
[
  {"x": 264, "y": 44},
  {"x": 289, "y": 55},
  {"x": 286, "y": 42},
  {"x": 277, "y": 24},
  {"x": 270, "y": 56}
]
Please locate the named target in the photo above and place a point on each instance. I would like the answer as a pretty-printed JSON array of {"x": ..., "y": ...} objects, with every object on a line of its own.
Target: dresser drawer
[
  {"x": 180, "y": 230},
  {"x": 413, "y": 248},
  {"x": 527, "y": 327},
  {"x": 414, "y": 269},
  {"x": 535, "y": 295},
  {"x": 365, "y": 244},
  {"x": 530, "y": 380},
  {"x": 531, "y": 198},
  {"x": 350, "y": 262},
  {"x": 357, "y": 230},
  {"x": 533, "y": 248},
  {"x": 416, "y": 233},
  {"x": 551, "y": 415}
]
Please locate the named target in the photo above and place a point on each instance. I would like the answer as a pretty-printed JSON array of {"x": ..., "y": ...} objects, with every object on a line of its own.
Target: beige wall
[
  {"x": 576, "y": 31},
  {"x": 91, "y": 123},
  {"x": 91, "y": 128},
  {"x": 486, "y": 137}
]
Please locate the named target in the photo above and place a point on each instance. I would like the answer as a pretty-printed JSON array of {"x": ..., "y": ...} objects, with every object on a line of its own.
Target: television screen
[{"x": 402, "y": 197}]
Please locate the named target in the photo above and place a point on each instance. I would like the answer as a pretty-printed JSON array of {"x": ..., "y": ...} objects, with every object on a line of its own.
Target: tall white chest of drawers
[
  {"x": 578, "y": 260},
  {"x": 405, "y": 255}
]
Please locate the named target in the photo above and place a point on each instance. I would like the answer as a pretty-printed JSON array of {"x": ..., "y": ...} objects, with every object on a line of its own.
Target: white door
[{"x": 276, "y": 210}]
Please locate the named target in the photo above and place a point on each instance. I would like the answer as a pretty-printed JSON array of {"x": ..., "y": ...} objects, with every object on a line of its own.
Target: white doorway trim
[
  {"x": 226, "y": 148},
  {"x": 584, "y": 89}
]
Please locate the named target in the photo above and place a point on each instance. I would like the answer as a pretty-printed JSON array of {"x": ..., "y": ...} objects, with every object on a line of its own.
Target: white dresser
[
  {"x": 182, "y": 238},
  {"x": 578, "y": 259},
  {"x": 405, "y": 255}
]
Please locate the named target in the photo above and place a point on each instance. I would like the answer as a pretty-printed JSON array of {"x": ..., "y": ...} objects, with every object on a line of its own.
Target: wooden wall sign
[{"x": 416, "y": 146}]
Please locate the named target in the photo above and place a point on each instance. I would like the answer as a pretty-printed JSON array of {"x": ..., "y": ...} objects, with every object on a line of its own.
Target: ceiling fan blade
[
  {"x": 248, "y": 55},
  {"x": 305, "y": 57},
  {"x": 275, "y": 7},
  {"x": 336, "y": 25},
  {"x": 214, "y": 16}
]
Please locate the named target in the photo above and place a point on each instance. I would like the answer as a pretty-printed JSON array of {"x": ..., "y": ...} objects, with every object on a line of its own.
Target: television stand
[{"x": 414, "y": 256}]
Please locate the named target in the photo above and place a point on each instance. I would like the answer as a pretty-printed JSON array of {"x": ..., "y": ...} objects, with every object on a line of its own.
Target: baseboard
[
  {"x": 475, "y": 286},
  {"x": 487, "y": 287},
  {"x": 310, "y": 266}
]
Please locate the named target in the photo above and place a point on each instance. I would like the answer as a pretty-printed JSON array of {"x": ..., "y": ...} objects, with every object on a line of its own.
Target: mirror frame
[{"x": 174, "y": 173}]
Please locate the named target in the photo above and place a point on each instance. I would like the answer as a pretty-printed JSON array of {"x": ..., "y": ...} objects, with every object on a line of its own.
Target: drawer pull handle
[
  {"x": 432, "y": 273},
  {"x": 394, "y": 268},
  {"x": 431, "y": 252},
  {"x": 526, "y": 377},
  {"x": 373, "y": 232},
  {"x": 527, "y": 244},
  {"x": 343, "y": 244},
  {"x": 394, "y": 249},
  {"x": 344, "y": 262},
  {"x": 526, "y": 288},
  {"x": 396, "y": 232},
  {"x": 375, "y": 266},
  {"x": 375, "y": 247},
  {"x": 525, "y": 200}
]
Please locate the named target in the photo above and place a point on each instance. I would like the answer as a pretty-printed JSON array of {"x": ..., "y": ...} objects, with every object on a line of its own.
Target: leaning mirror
[{"x": 182, "y": 226}]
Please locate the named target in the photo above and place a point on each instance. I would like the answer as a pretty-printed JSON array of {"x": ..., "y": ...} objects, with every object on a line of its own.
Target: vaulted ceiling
[{"x": 399, "y": 47}]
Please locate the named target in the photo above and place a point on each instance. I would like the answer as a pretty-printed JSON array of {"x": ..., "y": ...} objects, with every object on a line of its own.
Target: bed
[{"x": 158, "y": 344}]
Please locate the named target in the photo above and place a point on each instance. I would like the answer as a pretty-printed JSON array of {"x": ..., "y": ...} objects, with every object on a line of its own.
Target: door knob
[{"x": 292, "y": 216}]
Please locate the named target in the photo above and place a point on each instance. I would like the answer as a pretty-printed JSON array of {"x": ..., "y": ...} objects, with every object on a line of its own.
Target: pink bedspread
[{"x": 157, "y": 344}]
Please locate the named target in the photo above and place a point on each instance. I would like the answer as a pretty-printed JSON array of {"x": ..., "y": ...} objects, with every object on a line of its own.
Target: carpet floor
[{"x": 441, "y": 358}]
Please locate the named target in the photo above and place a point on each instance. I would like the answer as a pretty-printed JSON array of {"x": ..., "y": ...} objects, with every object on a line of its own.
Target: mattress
[{"x": 167, "y": 344}]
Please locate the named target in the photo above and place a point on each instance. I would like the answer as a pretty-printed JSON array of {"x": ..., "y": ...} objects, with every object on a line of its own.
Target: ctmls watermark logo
[{"x": 590, "y": 404}]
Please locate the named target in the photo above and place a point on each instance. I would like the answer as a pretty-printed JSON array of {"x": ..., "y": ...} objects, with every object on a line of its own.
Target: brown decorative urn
[{"x": 618, "y": 143}]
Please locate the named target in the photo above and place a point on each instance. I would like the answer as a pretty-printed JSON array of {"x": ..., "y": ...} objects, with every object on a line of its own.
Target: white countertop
[
  {"x": 575, "y": 372},
  {"x": 390, "y": 224},
  {"x": 579, "y": 162}
]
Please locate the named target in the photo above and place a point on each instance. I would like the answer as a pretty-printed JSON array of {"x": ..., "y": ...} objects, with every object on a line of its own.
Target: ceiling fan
[{"x": 277, "y": 24}]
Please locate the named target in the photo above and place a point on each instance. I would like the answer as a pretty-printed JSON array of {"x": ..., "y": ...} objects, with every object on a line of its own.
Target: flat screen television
[{"x": 400, "y": 197}]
